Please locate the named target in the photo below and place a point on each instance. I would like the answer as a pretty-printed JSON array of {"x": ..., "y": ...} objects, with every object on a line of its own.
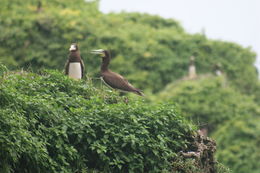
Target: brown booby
[
  {"x": 39, "y": 7},
  {"x": 192, "y": 68},
  {"x": 217, "y": 69},
  {"x": 74, "y": 66},
  {"x": 113, "y": 79}
]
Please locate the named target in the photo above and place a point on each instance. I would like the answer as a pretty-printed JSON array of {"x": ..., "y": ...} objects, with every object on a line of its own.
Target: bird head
[
  {"x": 101, "y": 52},
  {"x": 73, "y": 47}
]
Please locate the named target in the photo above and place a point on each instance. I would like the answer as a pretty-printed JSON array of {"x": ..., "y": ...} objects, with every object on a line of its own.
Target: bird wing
[
  {"x": 67, "y": 68},
  {"x": 82, "y": 67},
  {"x": 117, "y": 81}
]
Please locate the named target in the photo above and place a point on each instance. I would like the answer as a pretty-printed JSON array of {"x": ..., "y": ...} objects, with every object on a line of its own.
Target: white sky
[{"x": 230, "y": 20}]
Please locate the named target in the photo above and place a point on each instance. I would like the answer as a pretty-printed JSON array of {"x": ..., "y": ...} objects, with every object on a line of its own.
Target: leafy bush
[
  {"x": 3, "y": 69},
  {"x": 209, "y": 101},
  {"x": 50, "y": 123},
  {"x": 257, "y": 93},
  {"x": 238, "y": 144}
]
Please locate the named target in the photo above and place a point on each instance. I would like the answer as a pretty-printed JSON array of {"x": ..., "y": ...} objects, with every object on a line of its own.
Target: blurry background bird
[
  {"x": 74, "y": 66},
  {"x": 113, "y": 79}
]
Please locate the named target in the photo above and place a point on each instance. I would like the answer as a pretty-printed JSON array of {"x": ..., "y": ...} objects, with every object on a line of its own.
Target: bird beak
[
  {"x": 72, "y": 47},
  {"x": 99, "y": 51}
]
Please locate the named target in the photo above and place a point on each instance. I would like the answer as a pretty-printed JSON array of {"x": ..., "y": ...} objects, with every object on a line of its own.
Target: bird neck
[
  {"x": 105, "y": 63},
  {"x": 74, "y": 56},
  {"x": 192, "y": 63}
]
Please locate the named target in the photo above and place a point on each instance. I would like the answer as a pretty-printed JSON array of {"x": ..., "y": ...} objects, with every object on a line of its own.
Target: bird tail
[{"x": 139, "y": 92}]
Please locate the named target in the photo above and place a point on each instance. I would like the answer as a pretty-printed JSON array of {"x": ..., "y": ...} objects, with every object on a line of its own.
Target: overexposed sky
[{"x": 230, "y": 20}]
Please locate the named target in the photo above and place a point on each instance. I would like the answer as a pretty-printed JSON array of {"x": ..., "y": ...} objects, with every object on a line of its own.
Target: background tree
[{"x": 153, "y": 48}]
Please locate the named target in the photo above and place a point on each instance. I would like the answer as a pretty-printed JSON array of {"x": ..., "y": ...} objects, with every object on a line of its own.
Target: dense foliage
[
  {"x": 257, "y": 93},
  {"x": 231, "y": 118},
  {"x": 154, "y": 49},
  {"x": 50, "y": 123},
  {"x": 238, "y": 144},
  {"x": 3, "y": 69},
  {"x": 209, "y": 100}
]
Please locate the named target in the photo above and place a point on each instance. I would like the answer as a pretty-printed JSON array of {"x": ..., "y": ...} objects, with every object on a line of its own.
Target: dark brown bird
[
  {"x": 74, "y": 66},
  {"x": 39, "y": 7},
  {"x": 113, "y": 79}
]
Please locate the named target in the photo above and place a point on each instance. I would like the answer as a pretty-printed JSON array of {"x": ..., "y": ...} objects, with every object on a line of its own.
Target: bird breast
[{"x": 75, "y": 70}]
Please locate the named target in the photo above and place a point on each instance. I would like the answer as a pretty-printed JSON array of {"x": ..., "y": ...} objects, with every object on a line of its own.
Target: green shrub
[
  {"x": 50, "y": 123},
  {"x": 209, "y": 101},
  {"x": 238, "y": 144},
  {"x": 3, "y": 69}
]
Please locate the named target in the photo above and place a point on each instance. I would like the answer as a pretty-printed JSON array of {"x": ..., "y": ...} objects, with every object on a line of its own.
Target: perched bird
[
  {"x": 113, "y": 79},
  {"x": 217, "y": 68},
  {"x": 74, "y": 66},
  {"x": 39, "y": 7},
  {"x": 192, "y": 68}
]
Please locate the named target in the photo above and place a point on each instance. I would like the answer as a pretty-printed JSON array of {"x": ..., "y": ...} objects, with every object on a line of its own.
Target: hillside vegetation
[
  {"x": 238, "y": 143},
  {"x": 156, "y": 49},
  {"x": 209, "y": 101},
  {"x": 228, "y": 116}
]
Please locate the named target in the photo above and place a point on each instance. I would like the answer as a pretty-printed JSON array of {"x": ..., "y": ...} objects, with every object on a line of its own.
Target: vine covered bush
[{"x": 50, "y": 123}]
